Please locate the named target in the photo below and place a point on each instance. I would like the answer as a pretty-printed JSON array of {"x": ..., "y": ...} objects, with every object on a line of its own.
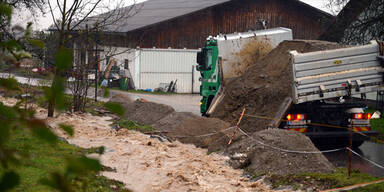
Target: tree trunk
[
  {"x": 51, "y": 108},
  {"x": 344, "y": 19}
]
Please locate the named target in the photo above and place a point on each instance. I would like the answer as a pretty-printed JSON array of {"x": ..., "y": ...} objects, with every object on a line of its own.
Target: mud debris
[
  {"x": 145, "y": 112},
  {"x": 211, "y": 133},
  {"x": 262, "y": 159}
]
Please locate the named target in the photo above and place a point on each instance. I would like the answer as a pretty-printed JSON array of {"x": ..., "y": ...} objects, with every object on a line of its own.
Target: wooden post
[{"x": 237, "y": 127}]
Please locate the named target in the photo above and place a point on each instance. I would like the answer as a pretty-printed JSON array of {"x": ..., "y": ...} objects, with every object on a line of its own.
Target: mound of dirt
[
  {"x": 146, "y": 113},
  {"x": 264, "y": 86},
  {"x": 200, "y": 131},
  {"x": 121, "y": 98},
  {"x": 261, "y": 159}
]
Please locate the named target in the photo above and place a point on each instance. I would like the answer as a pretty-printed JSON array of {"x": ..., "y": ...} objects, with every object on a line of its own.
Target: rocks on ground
[{"x": 261, "y": 159}]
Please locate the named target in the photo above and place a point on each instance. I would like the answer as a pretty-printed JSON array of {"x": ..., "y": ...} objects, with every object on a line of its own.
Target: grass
[
  {"x": 321, "y": 181},
  {"x": 130, "y": 125},
  {"x": 45, "y": 158},
  {"x": 91, "y": 105},
  {"x": 376, "y": 124}
]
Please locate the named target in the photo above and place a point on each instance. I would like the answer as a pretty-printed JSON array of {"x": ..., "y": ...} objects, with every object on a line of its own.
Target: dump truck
[
  {"x": 322, "y": 84},
  {"x": 216, "y": 59}
]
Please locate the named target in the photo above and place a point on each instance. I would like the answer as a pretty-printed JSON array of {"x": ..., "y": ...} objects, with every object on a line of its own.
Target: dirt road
[{"x": 180, "y": 102}]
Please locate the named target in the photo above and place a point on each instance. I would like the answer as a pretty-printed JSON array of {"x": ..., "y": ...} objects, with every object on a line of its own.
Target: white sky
[{"x": 21, "y": 17}]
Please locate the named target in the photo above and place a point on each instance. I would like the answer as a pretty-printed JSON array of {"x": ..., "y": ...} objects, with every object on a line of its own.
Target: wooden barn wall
[{"x": 190, "y": 31}]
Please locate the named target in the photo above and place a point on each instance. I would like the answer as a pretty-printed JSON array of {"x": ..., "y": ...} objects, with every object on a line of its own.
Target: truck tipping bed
[{"x": 336, "y": 73}]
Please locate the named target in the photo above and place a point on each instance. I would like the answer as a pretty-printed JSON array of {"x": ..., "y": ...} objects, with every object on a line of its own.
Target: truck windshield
[{"x": 208, "y": 57}]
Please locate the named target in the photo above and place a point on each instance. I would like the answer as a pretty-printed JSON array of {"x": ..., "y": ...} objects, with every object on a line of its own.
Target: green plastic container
[{"x": 124, "y": 83}]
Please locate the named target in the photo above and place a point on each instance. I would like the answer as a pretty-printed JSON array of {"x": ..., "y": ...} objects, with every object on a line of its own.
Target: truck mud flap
[
  {"x": 284, "y": 107},
  {"x": 216, "y": 101}
]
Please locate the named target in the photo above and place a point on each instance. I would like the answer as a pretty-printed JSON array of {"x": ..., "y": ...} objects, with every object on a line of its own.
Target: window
[
  {"x": 126, "y": 62},
  {"x": 209, "y": 59}
]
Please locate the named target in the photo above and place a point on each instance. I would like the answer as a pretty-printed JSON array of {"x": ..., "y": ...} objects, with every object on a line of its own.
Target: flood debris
[
  {"x": 203, "y": 132},
  {"x": 260, "y": 154},
  {"x": 145, "y": 112}
]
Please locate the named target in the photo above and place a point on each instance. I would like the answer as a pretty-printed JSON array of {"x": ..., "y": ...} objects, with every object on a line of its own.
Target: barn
[
  {"x": 186, "y": 24},
  {"x": 176, "y": 29}
]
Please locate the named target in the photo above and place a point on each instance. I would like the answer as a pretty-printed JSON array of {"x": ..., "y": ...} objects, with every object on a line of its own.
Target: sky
[{"x": 41, "y": 22}]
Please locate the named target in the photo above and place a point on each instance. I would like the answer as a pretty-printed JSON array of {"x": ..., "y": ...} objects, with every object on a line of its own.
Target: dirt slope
[
  {"x": 263, "y": 87},
  {"x": 260, "y": 159}
]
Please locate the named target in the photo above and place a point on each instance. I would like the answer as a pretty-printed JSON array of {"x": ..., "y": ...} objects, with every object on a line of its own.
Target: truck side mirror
[{"x": 198, "y": 58}]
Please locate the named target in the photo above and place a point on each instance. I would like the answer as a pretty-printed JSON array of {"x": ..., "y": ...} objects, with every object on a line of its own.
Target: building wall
[
  {"x": 191, "y": 30},
  {"x": 161, "y": 66}
]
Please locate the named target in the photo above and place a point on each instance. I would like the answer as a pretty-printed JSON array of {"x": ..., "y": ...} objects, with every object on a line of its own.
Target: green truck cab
[{"x": 207, "y": 61}]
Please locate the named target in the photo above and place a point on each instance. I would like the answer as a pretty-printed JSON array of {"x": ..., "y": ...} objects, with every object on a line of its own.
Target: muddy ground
[
  {"x": 146, "y": 164},
  {"x": 246, "y": 153}
]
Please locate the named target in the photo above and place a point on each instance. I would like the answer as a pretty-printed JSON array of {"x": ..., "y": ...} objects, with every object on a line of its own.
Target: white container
[
  {"x": 159, "y": 66},
  {"x": 152, "y": 68}
]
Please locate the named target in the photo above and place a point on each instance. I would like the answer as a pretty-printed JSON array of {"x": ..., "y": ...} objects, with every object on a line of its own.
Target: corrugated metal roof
[{"x": 155, "y": 11}]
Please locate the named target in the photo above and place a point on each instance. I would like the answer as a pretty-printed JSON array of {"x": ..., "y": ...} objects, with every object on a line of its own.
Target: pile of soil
[
  {"x": 189, "y": 128},
  {"x": 260, "y": 159},
  {"x": 145, "y": 112},
  {"x": 264, "y": 86},
  {"x": 121, "y": 99}
]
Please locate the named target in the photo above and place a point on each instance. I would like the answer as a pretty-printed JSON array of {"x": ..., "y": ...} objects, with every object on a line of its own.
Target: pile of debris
[
  {"x": 211, "y": 133},
  {"x": 267, "y": 151},
  {"x": 264, "y": 86},
  {"x": 142, "y": 111},
  {"x": 203, "y": 132}
]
